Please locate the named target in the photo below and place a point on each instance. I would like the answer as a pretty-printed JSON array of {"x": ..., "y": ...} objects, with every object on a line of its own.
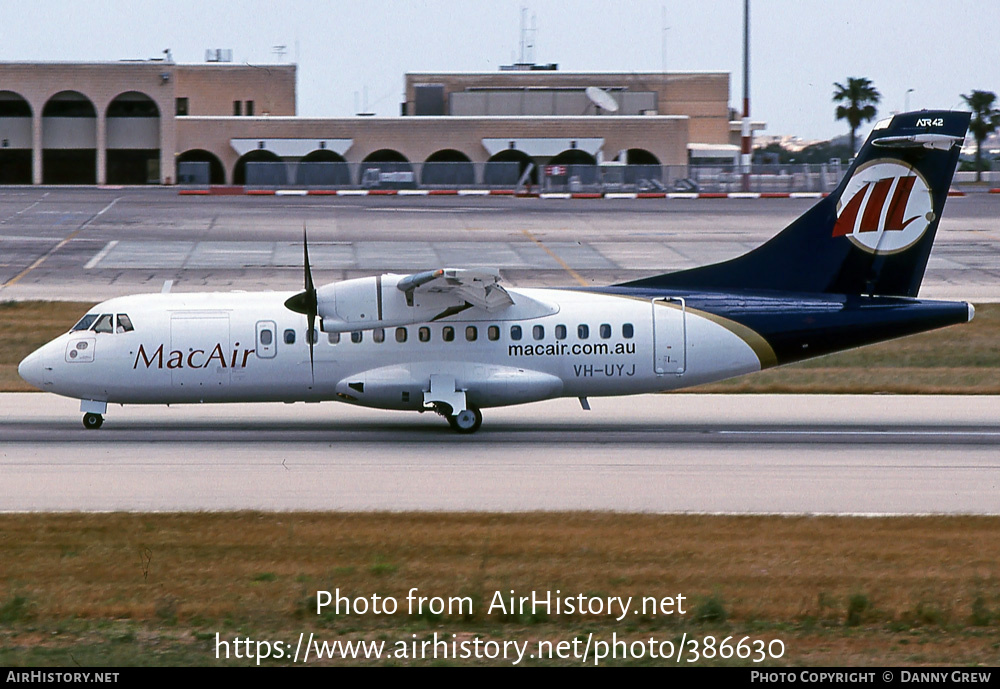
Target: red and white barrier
[{"x": 562, "y": 195}]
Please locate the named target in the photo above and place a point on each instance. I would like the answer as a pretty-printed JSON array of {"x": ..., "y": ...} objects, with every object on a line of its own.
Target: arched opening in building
[
  {"x": 386, "y": 155},
  {"x": 580, "y": 167},
  {"x": 387, "y": 169},
  {"x": 322, "y": 168},
  {"x": 505, "y": 168},
  {"x": 133, "y": 139},
  {"x": 448, "y": 167},
  {"x": 269, "y": 175},
  {"x": 198, "y": 166},
  {"x": 640, "y": 156},
  {"x": 643, "y": 169},
  {"x": 573, "y": 156},
  {"x": 15, "y": 139},
  {"x": 69, "y": 139}
]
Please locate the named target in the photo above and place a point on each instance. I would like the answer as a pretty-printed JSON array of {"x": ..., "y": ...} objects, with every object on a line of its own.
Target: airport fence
[{"x": 606, "y": 178}]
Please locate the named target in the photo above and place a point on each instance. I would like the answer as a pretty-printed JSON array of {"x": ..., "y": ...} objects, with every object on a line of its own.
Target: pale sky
[{"x": 798, "y": 48}]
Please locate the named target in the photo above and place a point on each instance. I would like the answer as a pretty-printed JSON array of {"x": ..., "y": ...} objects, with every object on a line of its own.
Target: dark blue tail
[{"x": 872, "y": 235}]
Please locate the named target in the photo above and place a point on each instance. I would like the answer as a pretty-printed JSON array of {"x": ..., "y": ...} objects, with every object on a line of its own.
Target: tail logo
[{"x": 888, "y": 208}]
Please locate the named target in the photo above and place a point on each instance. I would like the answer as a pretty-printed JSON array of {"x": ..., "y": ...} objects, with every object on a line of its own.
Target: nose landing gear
[{"x": 92, "y": 421}]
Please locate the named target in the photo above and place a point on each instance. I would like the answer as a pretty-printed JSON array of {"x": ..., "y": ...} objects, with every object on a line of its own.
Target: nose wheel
[
  {"x": 92, "y": 421},
  {"x": 466, "y": 421}
]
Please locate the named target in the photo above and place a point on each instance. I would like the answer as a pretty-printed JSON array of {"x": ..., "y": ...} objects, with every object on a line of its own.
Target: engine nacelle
[{"x": 375, "y": 302}]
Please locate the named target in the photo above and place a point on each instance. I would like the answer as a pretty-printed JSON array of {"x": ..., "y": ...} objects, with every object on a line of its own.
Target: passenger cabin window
[
  {"x": 357, "y": 336},
  {"x": 560, "y": 332},
  {"x": 400, "y": 335},
  {"x": 266, "y": 337},
  {"x": 124, "y": 324},
  {"x": 333, "y": 338},
  {"x": 515, "y": 332},
  {"x": 493, "y": 332},
  {"x": 628, "y": 331},
  {"x": 312, "y": 336},
  {"x": 448, "y": 333},
  {"x": 583, "y": 332},
  {"x": 424, "y": 334},
  {"x": 289, "y": 336},
  {"x": 85, "y": 322},
  {"x": 538, "y": 332},
  {"x": 471, "y": 334},
  {"x": 378, "y": 334},
  {"x": 605, "y": 331},
  {"x": 104, "y": 324}
]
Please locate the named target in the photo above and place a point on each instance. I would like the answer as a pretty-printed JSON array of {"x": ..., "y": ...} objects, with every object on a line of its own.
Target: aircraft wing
[{"x": 479, "y": 287}]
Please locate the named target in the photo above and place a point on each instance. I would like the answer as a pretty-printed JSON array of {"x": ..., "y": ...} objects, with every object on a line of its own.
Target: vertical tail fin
[{"x": 871, "y": 235}]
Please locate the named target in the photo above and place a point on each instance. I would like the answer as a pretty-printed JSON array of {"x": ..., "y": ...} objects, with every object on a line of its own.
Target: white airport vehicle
[{"x": 456, "y": 341}]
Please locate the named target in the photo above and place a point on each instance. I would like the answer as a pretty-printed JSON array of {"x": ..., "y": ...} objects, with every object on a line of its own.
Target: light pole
[
  {"x": 746, "y": 149},
  {"x": 907, "y": 100}
]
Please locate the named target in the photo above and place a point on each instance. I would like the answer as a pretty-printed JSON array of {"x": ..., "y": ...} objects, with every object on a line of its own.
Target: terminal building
[{"x": 139, "y": 122}]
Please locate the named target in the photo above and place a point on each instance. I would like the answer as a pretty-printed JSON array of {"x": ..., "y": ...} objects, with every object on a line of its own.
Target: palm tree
[
  {"x": 861, "y": 96},
  {"x": 985, "y": 120}
]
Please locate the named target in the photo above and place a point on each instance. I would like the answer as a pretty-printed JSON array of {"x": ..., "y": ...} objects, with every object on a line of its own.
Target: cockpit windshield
[
  {"x": 104, "y": 324},
  {"x": 85, "y": 322}
]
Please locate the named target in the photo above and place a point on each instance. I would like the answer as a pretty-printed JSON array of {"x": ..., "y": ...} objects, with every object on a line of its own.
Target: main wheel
[
  {"x": 92, "y": 421},
  {"x": 466, "y": 421}
]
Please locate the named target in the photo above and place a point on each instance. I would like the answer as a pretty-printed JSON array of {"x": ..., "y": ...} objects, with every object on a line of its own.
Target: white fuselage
[{"x": 236, "y": 347}]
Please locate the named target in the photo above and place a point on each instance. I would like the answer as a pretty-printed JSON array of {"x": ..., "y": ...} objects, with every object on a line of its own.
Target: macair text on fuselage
[{"x": 195, "y": 358}]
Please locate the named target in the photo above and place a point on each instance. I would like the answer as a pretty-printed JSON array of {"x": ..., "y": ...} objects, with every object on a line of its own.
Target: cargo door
[{"x": 199, "y": 351}]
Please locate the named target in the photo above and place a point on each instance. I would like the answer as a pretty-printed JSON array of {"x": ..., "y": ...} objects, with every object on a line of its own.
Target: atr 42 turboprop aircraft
[{"x": 844, "y": 274}]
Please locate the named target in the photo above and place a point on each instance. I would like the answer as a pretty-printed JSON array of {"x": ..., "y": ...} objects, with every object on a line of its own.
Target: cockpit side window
[
  {"x": 104, "y": 324},
  {"x": 124, "y": 324},
  {"x": 85, "y": 322}
]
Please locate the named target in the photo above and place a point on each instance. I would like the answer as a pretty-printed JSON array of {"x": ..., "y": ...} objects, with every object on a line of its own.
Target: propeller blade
[
  {"x": 310, "y": 287},
  {"x": 311, "y": 337},
  {"x": 305, "y": 302},
  {"x": 311, "y": 303}
]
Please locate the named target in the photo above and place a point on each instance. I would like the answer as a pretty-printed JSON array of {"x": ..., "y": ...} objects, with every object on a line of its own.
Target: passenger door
[{"x": 669, "y": 336}]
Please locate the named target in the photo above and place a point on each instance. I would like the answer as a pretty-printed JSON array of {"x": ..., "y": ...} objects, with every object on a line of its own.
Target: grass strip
[{"x": 155, "y": 589}]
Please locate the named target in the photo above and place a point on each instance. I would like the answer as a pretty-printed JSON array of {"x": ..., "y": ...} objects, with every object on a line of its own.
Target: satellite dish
[{"x": 602, "y": 99}]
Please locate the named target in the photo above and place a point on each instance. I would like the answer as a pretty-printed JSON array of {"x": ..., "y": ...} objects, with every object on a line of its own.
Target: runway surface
[
  {"x": 679, "y": 453},
  {"x": 92, "y": 244},
  {"x": 659, "y": 453}
]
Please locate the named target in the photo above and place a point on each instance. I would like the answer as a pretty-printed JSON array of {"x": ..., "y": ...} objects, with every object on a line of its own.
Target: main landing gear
[
  {"x": 92, "y": 421},
  {"x": 445, "y": 397},
  {"x": 466, "y": 421}
]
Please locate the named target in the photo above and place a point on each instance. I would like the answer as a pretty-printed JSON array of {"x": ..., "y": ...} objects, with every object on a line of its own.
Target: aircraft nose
[{"x": 31, "y": 369}]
